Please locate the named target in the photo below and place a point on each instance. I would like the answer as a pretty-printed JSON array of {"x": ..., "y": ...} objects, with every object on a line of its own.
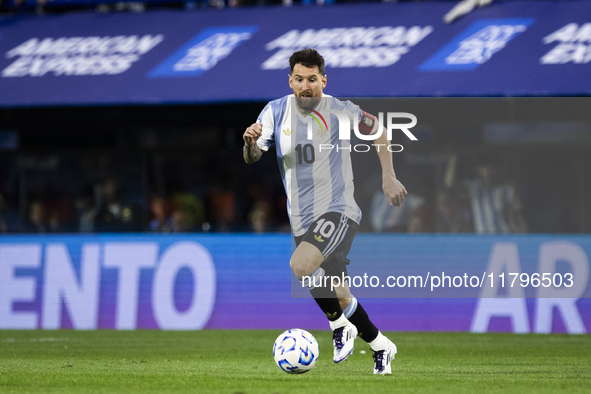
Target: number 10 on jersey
[{"x": 305, "y": 154}]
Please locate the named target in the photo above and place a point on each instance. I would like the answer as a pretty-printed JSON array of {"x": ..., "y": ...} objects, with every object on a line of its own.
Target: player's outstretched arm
[
  {"x": 393, "y": 189},
  {"x": 251, "y": 152}
]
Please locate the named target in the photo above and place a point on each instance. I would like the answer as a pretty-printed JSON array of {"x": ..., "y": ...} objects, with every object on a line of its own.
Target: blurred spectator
[
  {"x": 54, "y": 223},
  {"x": 37, "y": 217},
  {"x": 188, "y": 213},
  {"x": 162, "y": 221},
  {"x": 222, "y": 206},
  {"x": 112, "y": 214},
  {"x": 58, "y": 214},
  {"x": 454, "y": 217},
  {"x": 259, "y": 216},
  {"x": 421, "y": 219},
  {"x": 181, "y": 222},
  {"x": 416, "y": 221},
  {"x": 45, "y": 217},
  {"x": 86, "y": 213},
  {"x": 496, "y": 207}
]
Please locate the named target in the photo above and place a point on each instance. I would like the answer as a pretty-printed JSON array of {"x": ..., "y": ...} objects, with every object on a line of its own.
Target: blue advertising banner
[
  {"x": 384, "y": 50},
  {"x": 190, "y": 282}
]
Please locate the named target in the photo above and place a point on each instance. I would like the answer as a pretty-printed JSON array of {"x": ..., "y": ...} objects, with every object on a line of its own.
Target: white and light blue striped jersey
[{"x": 317, "y": 178}]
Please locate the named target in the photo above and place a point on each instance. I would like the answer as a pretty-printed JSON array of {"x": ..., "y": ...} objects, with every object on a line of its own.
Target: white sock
[
  {"x": 338, "y": 323},
  {"x": 380, "y": 343}
]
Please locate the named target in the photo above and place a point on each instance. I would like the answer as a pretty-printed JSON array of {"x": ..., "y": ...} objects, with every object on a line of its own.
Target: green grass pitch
[{"x": 241, "y": 362}]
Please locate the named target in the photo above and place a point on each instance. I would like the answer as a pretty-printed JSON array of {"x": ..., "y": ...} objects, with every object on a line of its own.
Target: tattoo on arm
[{"x": 251, "y": 153}]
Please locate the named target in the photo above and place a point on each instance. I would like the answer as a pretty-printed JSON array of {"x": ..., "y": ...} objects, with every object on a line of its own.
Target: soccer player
[{"x": 319, "y": 185}]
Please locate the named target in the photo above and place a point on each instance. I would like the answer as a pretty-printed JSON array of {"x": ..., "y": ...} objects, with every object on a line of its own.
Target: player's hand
[
  {"x": 252, "y": 134},
  {"x": 393, "y": 189}
]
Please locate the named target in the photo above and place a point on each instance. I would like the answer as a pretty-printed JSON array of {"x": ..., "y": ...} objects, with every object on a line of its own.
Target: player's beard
[{"x": 305, "y": 104}]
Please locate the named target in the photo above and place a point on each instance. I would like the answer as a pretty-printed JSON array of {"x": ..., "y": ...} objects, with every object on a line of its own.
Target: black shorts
[{"x": 333, "y": 234}]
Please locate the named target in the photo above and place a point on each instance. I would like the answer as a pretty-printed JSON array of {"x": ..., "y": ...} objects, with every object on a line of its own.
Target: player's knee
[
  {"x": 299, "y": 268},
  {"x": 302, "y": 266}
]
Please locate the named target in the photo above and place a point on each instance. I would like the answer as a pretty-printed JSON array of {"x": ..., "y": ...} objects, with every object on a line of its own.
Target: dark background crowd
[
  {"x": 514, "y": 166},
  {"x": 180, "y": 169}
]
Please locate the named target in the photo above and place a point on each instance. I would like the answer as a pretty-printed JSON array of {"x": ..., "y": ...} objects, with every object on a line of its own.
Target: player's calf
[{"x": 343, "y": 332}]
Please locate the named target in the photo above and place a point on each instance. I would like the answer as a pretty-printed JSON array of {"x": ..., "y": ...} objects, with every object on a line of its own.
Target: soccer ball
[{"x": 295, "y": 351}]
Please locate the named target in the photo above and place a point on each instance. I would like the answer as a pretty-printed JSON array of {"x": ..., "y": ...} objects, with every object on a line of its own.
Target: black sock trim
[
  {"x": 367, "y": 330},
  {"x": 327, "y": 301}
]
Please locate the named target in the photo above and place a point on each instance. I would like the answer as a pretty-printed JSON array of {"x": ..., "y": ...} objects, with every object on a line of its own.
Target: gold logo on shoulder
[
  {"x": 318, "y": 238},
  {"x": 331, "y": 315},
  {"x": 287, "y": 131}
]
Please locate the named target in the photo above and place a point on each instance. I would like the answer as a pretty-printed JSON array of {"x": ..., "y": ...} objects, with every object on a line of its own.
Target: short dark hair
[{"x": 307, "y": 58}]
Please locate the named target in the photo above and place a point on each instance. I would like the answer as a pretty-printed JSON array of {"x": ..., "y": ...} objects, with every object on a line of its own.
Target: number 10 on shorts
[{"x": 324, "y": 228}]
